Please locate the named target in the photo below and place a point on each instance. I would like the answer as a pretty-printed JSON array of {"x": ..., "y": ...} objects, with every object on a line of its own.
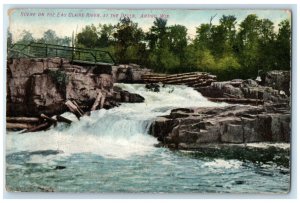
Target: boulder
[
  {"x": 120, "y": 95},
  {"x": 223, "y": 125},
  {"x": 153, "y": 87}
]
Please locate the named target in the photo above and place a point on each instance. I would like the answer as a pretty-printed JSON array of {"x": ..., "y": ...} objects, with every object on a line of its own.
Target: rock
[
  {"x": 45, "y": 96},
  {"x": 244, "y": 89},
  {"x": 131, "y": 73},
  {"x": 120, "y": 95},
  {"x": 193, "y": 128},
  {"x": 59, "y": 167},
  {"x": 152, "y": 86},
  {"x": 36, "y": 86},
  {"x": 221, "y": 89},
  {"x": 279, "y": 80}
]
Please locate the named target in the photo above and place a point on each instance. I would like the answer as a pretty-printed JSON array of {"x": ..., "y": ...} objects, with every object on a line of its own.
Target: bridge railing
[{"x": 42, "y": 50}]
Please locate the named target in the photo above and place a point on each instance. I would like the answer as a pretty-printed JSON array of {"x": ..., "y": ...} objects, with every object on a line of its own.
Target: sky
[{"x": 66, "y": 21}]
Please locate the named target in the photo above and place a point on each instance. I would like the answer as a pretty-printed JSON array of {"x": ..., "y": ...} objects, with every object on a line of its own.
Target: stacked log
[
  {"x": 20, "y": 123},
  {"x": 33, "y": 124},
  {"x": 193, "y": 79}
]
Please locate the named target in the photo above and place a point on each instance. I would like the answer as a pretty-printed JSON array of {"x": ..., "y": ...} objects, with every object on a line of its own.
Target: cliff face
[{"x": 36, "y": 86}]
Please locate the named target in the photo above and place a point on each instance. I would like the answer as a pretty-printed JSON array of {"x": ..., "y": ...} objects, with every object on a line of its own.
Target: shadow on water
[{"x": 256, "y": 155}]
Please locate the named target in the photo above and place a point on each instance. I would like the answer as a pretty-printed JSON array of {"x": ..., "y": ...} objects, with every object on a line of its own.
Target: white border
[{"x": 160, "y": 4}]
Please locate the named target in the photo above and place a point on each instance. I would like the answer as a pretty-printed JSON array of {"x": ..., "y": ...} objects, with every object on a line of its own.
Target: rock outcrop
[
  {"x": 131, "y": 73},
  {"x": 36, "y": 86},
  {"x": 279, "y": 80},
  {"x": 243, "y": 89},
  {"x": 193, "y": 128}
]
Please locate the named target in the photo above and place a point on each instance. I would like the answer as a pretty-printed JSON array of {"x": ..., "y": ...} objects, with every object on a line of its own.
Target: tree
[
  {"x": 88, "y": 37},
  {"x": 50, "y": 37},
  {"x": 157, "y": 33},
  {"x": 127, "y": 34},
  {"x": 203, "y": 37},
  {"x": 178, "y": 38},
  {"x": 106, "y": 35},
  {"x": 26, "y": 37},
  {"x": 9, "y": 39},
  {"x": 248, "y": 43},
  {"x": 267, "y": 59},
  {"x": 283, "y": 45}
]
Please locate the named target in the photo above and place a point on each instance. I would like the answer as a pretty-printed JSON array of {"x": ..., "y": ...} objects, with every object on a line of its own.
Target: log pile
[
  {"x": 33, "y": 124},
  {"x": 193, "y": 79},
  {"x": 44, "y": 122}
]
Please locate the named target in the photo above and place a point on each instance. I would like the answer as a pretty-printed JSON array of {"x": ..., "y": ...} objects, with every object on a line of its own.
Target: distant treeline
[{"x": 229, "y": 50}]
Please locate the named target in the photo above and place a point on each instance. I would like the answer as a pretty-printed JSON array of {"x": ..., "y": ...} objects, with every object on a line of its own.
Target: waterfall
[{"x": 120, "y": 132}]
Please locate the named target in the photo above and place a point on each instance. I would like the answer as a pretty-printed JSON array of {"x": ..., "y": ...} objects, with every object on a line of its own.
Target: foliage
[
  {"x": 87, "y": 37},
  {"x": 228, "y": 49},
  {"x": 49, "y": 37}
]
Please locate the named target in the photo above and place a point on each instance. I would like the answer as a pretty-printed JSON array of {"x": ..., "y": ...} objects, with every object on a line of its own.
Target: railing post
[
  {"x": 46, "y": 50},
  {"x": 73, "y": 51}
]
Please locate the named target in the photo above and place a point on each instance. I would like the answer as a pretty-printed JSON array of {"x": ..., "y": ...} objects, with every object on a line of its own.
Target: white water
[
  {"x": 111, "y": 151},
  {"x": 116, "y": 133}
]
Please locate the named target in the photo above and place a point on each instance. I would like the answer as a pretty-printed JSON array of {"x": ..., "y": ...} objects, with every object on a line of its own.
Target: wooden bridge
[{"x": 74, "y": 54}]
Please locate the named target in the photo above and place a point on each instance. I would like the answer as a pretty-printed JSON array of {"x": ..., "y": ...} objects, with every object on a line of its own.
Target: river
[{"x": 112, "y": 151}]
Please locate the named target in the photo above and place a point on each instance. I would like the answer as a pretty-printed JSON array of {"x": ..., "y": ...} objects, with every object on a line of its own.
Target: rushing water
[{"x": 111, "y": 151}]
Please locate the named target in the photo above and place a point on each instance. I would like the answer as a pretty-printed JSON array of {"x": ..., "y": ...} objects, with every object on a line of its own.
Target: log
[
  {"x": 40, "y": 127},
  {"x": 79, "y": 109},
  {"x": 181, "y": 79},
  {"x": 236, "y": 100},
  {"x": 59, "y": 118},
  {"x": 22, "y": 119},
  {"x": 52, "y": 120},
  {"x": 18, "y": 126},
  {"x": 74, "y": 109},
  {"x": 199, "y": 78},
  {"x": 99, "y": 101}
]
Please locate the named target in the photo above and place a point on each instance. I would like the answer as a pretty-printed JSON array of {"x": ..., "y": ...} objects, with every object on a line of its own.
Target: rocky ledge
[
  {"x": 251, "y": 91},
  {"x": 193, "y": 128},
  {"x": 36, "y": 86}
]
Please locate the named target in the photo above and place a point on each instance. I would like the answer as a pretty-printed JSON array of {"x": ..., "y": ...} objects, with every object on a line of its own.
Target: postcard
[{"x": 148, "y": 101}]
